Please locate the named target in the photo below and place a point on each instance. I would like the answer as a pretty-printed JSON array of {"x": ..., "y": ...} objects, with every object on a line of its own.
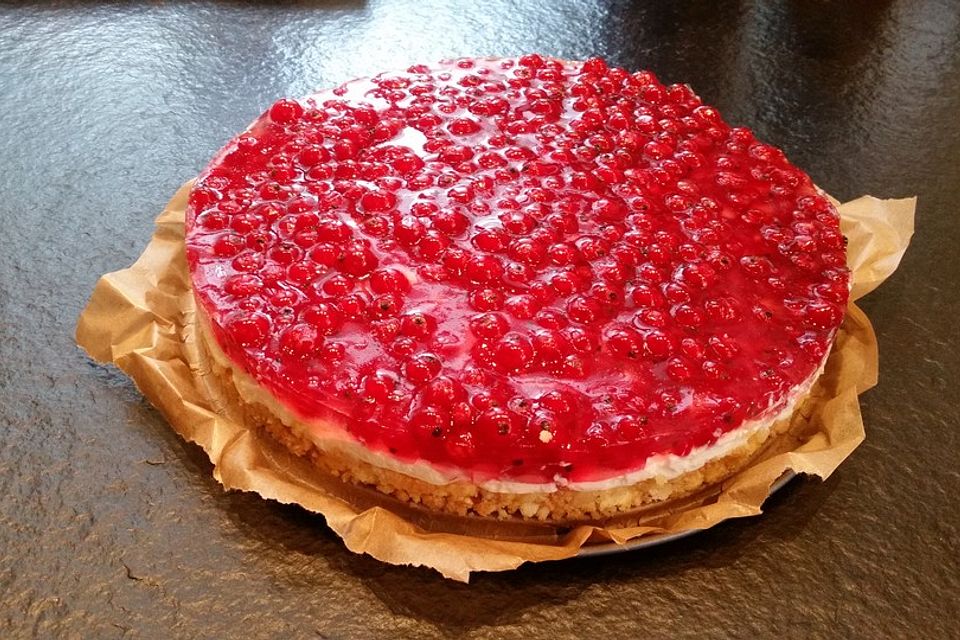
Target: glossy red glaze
[{"x": 521, "y": 268}]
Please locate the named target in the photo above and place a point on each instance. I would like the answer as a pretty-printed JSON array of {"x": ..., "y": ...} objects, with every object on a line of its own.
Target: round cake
[{"x": 518, "y": 287}]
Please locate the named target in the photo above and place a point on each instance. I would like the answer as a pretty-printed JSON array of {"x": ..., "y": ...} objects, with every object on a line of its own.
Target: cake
[{"x": 514, "y": 287}]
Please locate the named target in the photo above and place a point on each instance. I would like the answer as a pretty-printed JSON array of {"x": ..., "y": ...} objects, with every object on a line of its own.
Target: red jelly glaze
[{"x": 521, "y": 268}]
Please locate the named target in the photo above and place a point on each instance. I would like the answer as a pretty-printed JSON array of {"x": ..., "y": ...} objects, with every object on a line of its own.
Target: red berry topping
[
  {"x": 520, "y": 267},
  {"x": 285, "y": 112},
  {"x": 422, "y": 368}
]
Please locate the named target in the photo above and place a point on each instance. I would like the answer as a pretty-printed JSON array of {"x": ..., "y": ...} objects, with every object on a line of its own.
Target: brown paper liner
[{"x": 141, "y": 319}]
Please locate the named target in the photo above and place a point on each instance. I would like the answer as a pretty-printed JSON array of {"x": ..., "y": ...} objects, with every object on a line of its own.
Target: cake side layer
[
  {"x": 329, "y": 440},
  {"x": 465, "y": 498}
]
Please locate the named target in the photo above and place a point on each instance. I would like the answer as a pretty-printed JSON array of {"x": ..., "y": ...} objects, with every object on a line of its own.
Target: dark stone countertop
[{"x": 110, "y": 526}]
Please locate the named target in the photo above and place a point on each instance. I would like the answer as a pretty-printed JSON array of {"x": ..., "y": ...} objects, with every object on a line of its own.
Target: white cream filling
[{"x": 330, "y": 436}]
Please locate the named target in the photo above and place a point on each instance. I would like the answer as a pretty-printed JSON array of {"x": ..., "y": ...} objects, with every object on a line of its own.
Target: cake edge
[{"x": 463, "y": 497}]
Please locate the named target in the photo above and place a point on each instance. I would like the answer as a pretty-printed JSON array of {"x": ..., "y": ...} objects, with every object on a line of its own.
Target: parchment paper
[{"x": 141, "y": 319}]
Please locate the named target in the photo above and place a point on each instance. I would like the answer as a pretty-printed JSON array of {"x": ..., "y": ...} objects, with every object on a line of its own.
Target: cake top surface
[{"x": 523, "y": 268}]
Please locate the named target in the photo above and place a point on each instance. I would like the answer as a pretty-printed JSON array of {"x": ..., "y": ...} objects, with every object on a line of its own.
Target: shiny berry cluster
[{"x": 522, "y": 267}]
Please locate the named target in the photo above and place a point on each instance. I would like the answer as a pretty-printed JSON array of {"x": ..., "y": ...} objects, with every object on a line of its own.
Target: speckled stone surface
[{"x": 110, "y": 526}]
